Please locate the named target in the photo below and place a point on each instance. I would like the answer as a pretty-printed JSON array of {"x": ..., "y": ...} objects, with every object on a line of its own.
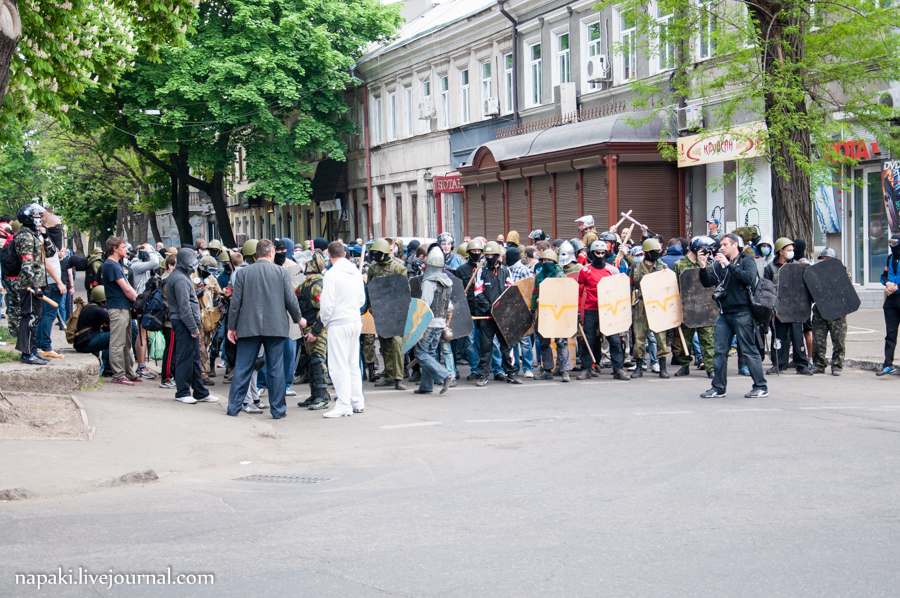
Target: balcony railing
[{"x": 593, "y": 112}]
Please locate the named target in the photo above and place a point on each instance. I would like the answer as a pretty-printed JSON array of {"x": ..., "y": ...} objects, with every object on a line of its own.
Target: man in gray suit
[{"x": 263, "y": 297}]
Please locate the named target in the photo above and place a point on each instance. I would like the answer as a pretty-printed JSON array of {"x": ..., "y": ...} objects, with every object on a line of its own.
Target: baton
[
  {"x": 587, "y": 344},
  {"x": 627, "y": 234},
  {"x": 47, "y": 300},
  {"x": 683, "y": 344},
  {"x": 638, "y": 223},
  {"x": 624, "y": 216},
  {"x": 362, "y": 258},
  {"x": 471, "y": 280}
]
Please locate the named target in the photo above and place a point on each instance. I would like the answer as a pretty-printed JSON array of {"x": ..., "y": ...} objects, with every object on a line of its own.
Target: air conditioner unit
[
  {"x": 492, "y": 107},
  {"x": 597, "y": 69},
  {"x": 690, "y": 118},
  {"x": 426, "y": 109},
  {"x": 891, "y": 99}
]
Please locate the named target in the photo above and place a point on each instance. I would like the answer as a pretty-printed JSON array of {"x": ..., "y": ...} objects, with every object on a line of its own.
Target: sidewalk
[{"x": 865, "y": 339}]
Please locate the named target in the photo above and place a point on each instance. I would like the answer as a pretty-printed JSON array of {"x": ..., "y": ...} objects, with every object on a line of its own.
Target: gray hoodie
[{"x": 183, "y": 304}]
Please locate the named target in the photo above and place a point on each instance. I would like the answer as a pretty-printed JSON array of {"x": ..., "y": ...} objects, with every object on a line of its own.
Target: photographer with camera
[{"x": 732, "y": 273}]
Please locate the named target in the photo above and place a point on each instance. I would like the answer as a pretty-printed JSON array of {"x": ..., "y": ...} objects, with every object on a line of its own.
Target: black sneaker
[
  {"x": 621, "y": 375},
  {"x": 684, "y": 371},
  {"x": 319, "y": 404},
  {"x": 545, "y": 375},
  {"x": 888, "y": 369},
  {"x": 472, "y": 376},
  {"x": 512, "y": 380},
  {"x": 499, "y": 377},
  {"x": 712, "y": 393},
  {"x": 835, "y": 372},
  {"x": 32, "y": 360},
  {"x": 806, "y": 371},
  {"x": 482, "y": 382},
  {"x": 773, "y": 370},
  {"x": 757, "y": 393}
]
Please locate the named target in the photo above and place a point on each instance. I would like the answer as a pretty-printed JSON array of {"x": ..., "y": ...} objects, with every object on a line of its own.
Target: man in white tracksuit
[{"x": 343, "y": 296}]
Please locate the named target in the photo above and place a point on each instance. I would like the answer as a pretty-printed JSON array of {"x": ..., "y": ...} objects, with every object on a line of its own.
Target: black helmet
[
  {"x": 609, "y": 237},
  {"x": 537, "y": 235},
  {"x": 702, "y": 242},
  {"x": 30, "y": 215}
]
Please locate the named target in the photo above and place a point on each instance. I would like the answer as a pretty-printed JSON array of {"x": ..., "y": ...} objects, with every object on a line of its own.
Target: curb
[{"x": 863, "y": 364}]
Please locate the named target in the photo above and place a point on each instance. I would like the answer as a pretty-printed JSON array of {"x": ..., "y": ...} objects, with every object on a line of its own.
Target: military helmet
[
  {"x": 702, "y": 242},
  {"x": 599, "y": 246},
  {"x": 463, "y": 249},
  {"x": 95, "y": 251},
  {"x": 492, "y": 248},
  {"x": 249, "y": 248},
  {"x": 576, "y": 244},
  {"x": 209, "y": 263},
  {"x": 782, "y": 243},
  {"x": 608, "y": 236},
  {"x": 474, "y": 244},
  {"x": 315, "y": 264},
  {"x": 215, "y": 244},
  {"x": 549, "y": 254},
  {"x": 566, "y": 254},
  {"x": 435, "y": 258},
  {"x": 651, "y": 245},
  {"x": 98, "y": 294},
  {"x": 828, "y": 252},
  {"x": 382, "y": 245}
]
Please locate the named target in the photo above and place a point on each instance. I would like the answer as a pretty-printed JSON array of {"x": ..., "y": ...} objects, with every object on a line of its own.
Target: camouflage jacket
[
  {"x": 640, "y": 269},
  {"x": 309, "y": 295},
  {"x": 573, "y": 268},
  {"x": 30, "y": 249},
  {"x": 683, "y": 264},
  {"x": 379, "y": 269}
]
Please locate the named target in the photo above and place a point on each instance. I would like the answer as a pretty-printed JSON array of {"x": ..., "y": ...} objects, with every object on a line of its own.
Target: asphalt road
[{"x": 547, "y": 489}]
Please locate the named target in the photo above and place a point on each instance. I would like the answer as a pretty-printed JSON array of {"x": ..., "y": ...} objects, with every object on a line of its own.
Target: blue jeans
[
  {"x": 48, "y": 318},
  {"x": 449, "y": 360},
  {"x": 473, "y": 352},
  {"x": 740, "y": 326},
  {"x": 525, "y": 348},
  {"x": 247, "y": 350},
  {"x": 650, "y": 351},
  {"x": 290, "y": 351},
  {"x": 696, "y": 342},
  {"x": 432, "y": 370}
]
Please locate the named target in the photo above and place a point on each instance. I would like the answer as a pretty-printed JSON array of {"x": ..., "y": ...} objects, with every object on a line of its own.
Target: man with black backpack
[{"x": 733, "y": 274}]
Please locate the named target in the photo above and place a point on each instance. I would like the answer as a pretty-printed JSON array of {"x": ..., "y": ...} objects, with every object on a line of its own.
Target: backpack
[
  {"x": 9, "y": 259},
  {"x": 154, "y": 311},
  {"x": 762, "y": 300},
  {"x": 92, "y": 272},
  {"x": 72, "y": 321}
]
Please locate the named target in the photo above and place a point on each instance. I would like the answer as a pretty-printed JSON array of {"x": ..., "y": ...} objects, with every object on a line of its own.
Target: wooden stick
[
  {"x": 683, "y": 344},
  {"x": 481, "y": 317},
  {"x": 587, "y": 344},
  {"x": 627, "y": 234},
  {"x": 628, "y": 215},
  {"x": 47, "y": 300},
  {"x": 624, "y": 216},
  {"x": 362, "y": 258},
  {"x": 474, "y": 274}
]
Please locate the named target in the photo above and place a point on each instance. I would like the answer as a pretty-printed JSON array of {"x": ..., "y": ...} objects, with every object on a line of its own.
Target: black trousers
[
  {"x": 489, "y": 330},
  {"x": 188, "y": 373},
  {"x": 31, "y": 309},
  {"x": 891, "y": 322},
  {"x": 594, "y": 340},
  {"x": 791, "y": 333}
]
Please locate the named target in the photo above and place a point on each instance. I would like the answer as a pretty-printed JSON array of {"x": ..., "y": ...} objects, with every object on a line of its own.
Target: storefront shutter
[
  {"x": 541, "y": 212},
  {"x": 493, "y": 203},
  {"x": 518, "y": 209},
  {"x": 567, "y": 205},
  {"x": 475, "y": 211},
  {"x": 595, "y": 196},
  {"x": 651, "y": 191},
  {"x": 759, "y": 212}
]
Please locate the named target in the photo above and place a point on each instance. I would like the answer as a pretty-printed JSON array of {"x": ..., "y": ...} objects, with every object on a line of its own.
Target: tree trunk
[
  {"x": 92, "y": 238},
  {"x": 10, "y": 33},
  {"x": 180, "y": 207},
  {"x": 154, "y": 227},
  {"x": 76, "y": 237},
  {"x": 217, "y": 196}
]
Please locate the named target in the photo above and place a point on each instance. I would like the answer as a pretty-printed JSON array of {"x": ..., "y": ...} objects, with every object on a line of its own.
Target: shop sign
[
  {"x": 890, "y": 185},
  {"x": 333, "y": 205},
  {"x": 447, "y": 184},
  {"x": 857, "y": 149},
  {"x": 738, "y": 143}
]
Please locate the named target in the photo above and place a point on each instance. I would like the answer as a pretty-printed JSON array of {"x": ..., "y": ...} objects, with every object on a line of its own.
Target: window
[
  {"x": 593, "y": 45},
  {"x": 392, "y": 128},
  {"x": 706, "y": 45},
  {"x": 563, "y": 70},
  {"x": 508, "y": 80},
  {"x": 445, "y": 102},
  {"x": 666, "y": 58},
  {"x": 627, "y": 35},
  {"x": 464, "y": 88},
  {"x": 485, "y": 81},
  {"x": 378, "y": 120},
  {"x": 426, "y": 94},
  {"x": 410, "y": 131},
  {"x": 534, "y": 74}
]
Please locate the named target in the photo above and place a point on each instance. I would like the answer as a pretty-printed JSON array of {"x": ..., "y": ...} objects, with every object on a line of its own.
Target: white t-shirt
[{"x": 54, "y": 263}]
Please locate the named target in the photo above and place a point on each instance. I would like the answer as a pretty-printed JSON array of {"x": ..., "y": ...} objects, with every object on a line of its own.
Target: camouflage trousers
[
  {"x": 318, "y": 346},
  {"x": 205, "y": 341},
  {"x": 391, "y": 350},
  {"x": 13, "y": 311},
  {"x": 707, "y": 347},
  {"x": 641, "y": 329},
  {"x": 820, "y": 330},
  {"x": 368, "y": 349}
]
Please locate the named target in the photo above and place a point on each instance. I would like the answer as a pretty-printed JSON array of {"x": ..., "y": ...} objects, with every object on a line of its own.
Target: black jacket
[
  {"x": 465, "y": 273},
  {"x": 738, "y": 276}
]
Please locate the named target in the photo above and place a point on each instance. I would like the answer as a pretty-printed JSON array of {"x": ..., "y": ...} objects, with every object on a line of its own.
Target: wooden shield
[
  {"x": 614, "y": 304},
  {"x": 793, "y": 303},
  {"x": 389, "y": 299},
  {"x": 526, "y": 286},
  {"x": 417, "y": 320},
  {"x": 512, "y": 315},
  {"x": 461, "y": 322},
  {"x": 831, "y": 289},
  {"x": 368, "y": 323},
  {"x": 558, "y": 308},
  {"x": 662, "y": 300},
  {"x": 698, "y": 308}
]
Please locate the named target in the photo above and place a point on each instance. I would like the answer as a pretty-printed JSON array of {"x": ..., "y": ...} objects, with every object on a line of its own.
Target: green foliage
[
  {"x": 76, "y": 45},
  {"x": 21, "y": 170}
]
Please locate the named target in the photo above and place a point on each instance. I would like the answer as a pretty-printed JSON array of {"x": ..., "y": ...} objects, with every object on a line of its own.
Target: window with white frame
[
  {"x": 628, "y": 45},
  {"x": 410, "y": 130},
  {"x": 445, "y": 102},
  {"x": 426, "y": 94},
  {"x": 392, "y": 125},
  {"x": 379, "y": 135},
  {"x": 666, "y": 57},
  {"x": 706, "y": 45},
  {"x": 485, "y": 81},
  {"x": 594, "y": 47},
  {"x": 508, "y": 80},
  {"x": 563, "y": 72},
  {"x": 534, "y": 74},
  {"x": 464, "y": 94}
]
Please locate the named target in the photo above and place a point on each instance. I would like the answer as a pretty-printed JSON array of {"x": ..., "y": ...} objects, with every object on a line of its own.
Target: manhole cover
[{"x": 282, "y": 479}]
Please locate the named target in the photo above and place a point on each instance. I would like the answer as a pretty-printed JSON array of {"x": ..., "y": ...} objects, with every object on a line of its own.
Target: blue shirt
[{"x": 110, "y": 272}]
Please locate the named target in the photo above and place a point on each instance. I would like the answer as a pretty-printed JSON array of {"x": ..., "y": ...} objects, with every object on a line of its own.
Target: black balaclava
[
  {"x": 799, "y": 249},
  {"x": 652, "y": 256},
  {"x": 895, "y": 249},
  {"x": 597, "y": 261},
  {"x": 280, "y": 258},
  {"x": 492, "y": 260},
  {"x": 380, "y": 256},
  {"x": 475, "y": 257},
  {"x": 55, "y": 234},
  {"x": 512, "y": 255}
]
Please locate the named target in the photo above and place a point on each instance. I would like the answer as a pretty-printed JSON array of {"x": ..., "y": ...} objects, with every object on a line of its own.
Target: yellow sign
[{"x": 737, "y": 144}]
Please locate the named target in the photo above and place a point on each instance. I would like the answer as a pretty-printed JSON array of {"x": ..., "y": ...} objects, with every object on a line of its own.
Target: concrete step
[
  {"x": 871, "y": 299},
  {"x": 75, "y": 371}
]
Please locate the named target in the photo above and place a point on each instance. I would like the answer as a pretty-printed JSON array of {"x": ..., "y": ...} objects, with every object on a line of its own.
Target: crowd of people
[{"x": 275, "y": 314}]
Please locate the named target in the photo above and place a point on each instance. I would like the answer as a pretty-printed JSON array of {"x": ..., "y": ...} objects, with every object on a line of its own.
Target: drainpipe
[
  {"x": 515, "y": 59},
  {"x": 365, "y": 90}
]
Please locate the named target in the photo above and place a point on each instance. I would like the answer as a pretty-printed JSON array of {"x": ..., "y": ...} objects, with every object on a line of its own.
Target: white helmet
[
  {"x": 566, "y": 254},
  {"x": 585, "y": 222},
  {"x": 435, "y": 258}
]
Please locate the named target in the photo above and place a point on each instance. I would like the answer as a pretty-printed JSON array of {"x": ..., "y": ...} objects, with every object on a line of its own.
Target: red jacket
[{"x": 587, "y": 285}]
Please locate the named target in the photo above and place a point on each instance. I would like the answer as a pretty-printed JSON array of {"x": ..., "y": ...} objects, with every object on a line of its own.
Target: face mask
[
  {"x": 765, "y": 250},
  {"x": 895, "y": 249},
  {"x": 203, "y": 253},
  {"x": 789, "y": 255},
  {"x": 280, "y": 259},
  {"x": 474, "y": 257},
  {"x": 227, "y": 267},
  {"x": 598, "y": 260},
  {"x": 652, "y": 255},
  {"x": 56, "y": 235},
  {"x": 547, "y": 268},
  {"x": 639, "y": 258},
  {"x": 214, "y": 252},
  {"x": 492, "y": 260}
]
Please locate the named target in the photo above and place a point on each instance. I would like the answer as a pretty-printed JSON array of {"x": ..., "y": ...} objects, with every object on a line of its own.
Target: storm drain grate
[{"x": 282, "y": 479}]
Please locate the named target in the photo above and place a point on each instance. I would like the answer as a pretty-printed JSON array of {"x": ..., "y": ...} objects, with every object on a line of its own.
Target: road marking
[
  {"x": 662, "y": 412},
  {"x": 861, "y": 330},
  {"x": 743, "y": 410},
  {"x": 395, "y": 426},
  {"x": 490, "y": 421}
]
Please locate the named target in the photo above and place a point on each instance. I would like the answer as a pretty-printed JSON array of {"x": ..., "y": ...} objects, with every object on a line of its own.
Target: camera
[{"x": 720, "y": 292}]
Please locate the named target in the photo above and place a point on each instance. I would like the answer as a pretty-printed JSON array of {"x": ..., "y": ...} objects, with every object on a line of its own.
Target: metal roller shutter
[
  {"x": 541, "y": 214},
  {"x": 518, "y": 209},
  {"x": 493, "y": 203},
  {"x": 567, "y": 205},
  {"x": 475, "y": 211},
  {"x": 651, "y": 190},
  {"x": 595, "y": 194}
]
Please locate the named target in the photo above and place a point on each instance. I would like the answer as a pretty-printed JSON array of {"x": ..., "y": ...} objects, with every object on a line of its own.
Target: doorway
[{"x": 870, "y": 227}]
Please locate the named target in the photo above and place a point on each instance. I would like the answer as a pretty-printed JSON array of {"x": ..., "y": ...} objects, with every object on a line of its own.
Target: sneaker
[
  {"x": 757, "y": 393},
  {"x": 446, "y": 384},
  {"x": 584, "y": 375},
  {"x": 732, "y": 352},
  {"x": 398, "y": 385},
  {"x": 144, "y": 372},
  {"x": 744, "y": 371},
  {"x": 209, "y": 399},
  {"x": 167, "y": 383},
  {"x": 482, "y": 382},
  {"x": 565, "y": 377},
  {"x": 188, "y": 400},
  {"x": 51, "y": 354},
  {"x": 261, "y": 405},
  {"x": 545, "y": 375},
  {"x": 605, "y": 364},
  {"x": 835, "y": 372},
  {"x": 529, "y": 374},
  {"x": 712, "y": 393},
  {"x": 499, "y": 377},
  {"x": 621, "y": 375},
  {"x": 773, "y": 370},
  {"x": 683, "y": 371},
  {"x": 655, "y": 368},
  {"x": 888, "y": 369},
  {"x": 208, "y": 382},
  {"x": 32, "y": 360},
  {"x": 263, "y": 391},
  {"x": 358, "y": 409},
  {"x": 472, "y": 376},
  {"x": 805, "y": 371},
  {"x": 123, "y": 382},
  {"x": 335, "y": 413},
  {"x": 319, "y": 404},
  {"x": 290, "y": 392},
  {"x": 251, "y": 408},
  {"x": 513, "y": 380}
]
